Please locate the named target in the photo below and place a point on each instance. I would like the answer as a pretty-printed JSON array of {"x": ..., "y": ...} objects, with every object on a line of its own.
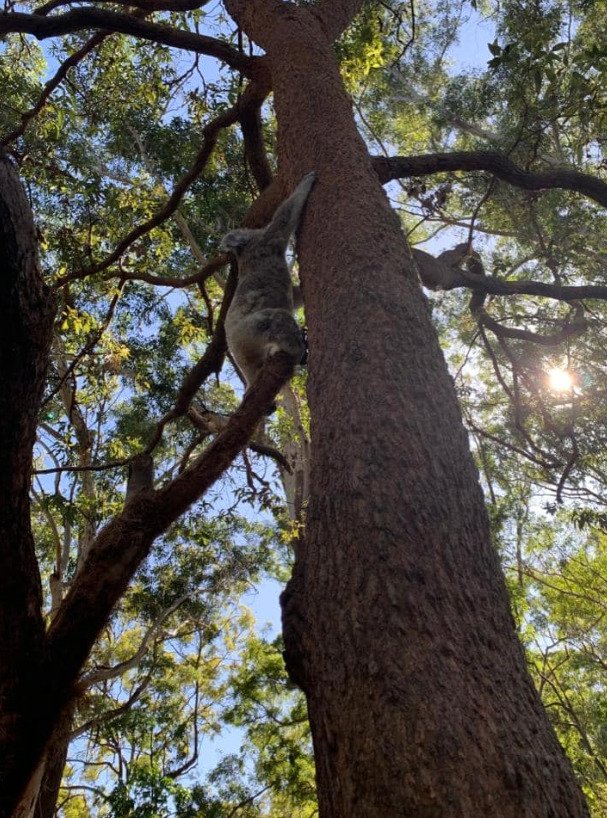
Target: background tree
[{"x": 396, "y": 620}]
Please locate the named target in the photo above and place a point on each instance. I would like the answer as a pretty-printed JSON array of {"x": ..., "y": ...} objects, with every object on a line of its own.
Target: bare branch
[
  {"x": 398, "y": 167},
  {"x": 144, "y": 5},
  {"x": 211, "y": 361},
  {"x": 211, "y": 423},
  {"x": 106, "y": 673},
  {"x": 248, "y": 801},
  {"x": 495, "y": 286},
  {"x": 110, "y": 464},
  {"x": 436, "y": 274},
  {"x": 89, "y": 17},
  {"x": 89, "y": 346},
  {"x": 570, "y": 330},
  {"x": 255, "y": 154},
  {"x": 103, "y": 718}
]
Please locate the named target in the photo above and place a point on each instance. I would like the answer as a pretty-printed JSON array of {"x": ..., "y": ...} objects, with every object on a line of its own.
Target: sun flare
[{"x": 560, "y": 380}]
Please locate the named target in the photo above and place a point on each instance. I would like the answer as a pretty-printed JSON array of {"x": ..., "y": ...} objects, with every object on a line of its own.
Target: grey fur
[
  {"x": 260, "y": 319},
  {"x": 445, "y": 271}
]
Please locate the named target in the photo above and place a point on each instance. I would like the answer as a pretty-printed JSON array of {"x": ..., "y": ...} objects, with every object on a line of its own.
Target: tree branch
[
  {"x": 253, "y": 94},
  {"x": 144, "y": 5},
  {"x": 252, "y": 133},
  {"x": 122, "y": 545},
  {"x": 435, "y": 274},
  {"x": 104, "y": 718},
  {"x": 336, "y": 15},
  {"x": 569, "y": 330},
  {"x": 398, "y": 167},
  {"x": 106, "y": 673},
  {"x": 52, "y": 84},
  {"x": 89, "y": 17},
  {"x": 211, "y": 361},
  {"x": 210, "y": 423}
]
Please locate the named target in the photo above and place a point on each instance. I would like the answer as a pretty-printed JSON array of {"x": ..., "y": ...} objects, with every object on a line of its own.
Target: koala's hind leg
[
  {"x": 281, "y": 333},
  {"x": 260, "y": 334}
]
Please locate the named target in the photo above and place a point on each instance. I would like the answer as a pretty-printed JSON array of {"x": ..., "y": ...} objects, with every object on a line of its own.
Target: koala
[
  {"x": 260, "y": 319},
  {"x": 445, "y": 271}
]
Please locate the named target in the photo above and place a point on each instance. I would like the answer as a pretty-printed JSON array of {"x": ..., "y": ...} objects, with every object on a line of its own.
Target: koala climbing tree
[{"x": 260, "y": 319}]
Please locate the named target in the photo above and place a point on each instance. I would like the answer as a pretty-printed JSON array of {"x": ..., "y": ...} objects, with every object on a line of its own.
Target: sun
[{"x": 560, "y": 380}]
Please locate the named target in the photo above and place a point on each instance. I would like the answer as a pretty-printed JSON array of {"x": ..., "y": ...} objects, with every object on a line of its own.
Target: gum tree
[{"x": 396, "y": 620}]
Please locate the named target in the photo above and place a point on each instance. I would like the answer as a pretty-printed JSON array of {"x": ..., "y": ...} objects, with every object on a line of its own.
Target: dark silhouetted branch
[
  {"x": 252, "y": 96},
  {"x": 399, "y": 167},
  {"x": 89, "y": 17},
  {"x": 144, "y": 5}
]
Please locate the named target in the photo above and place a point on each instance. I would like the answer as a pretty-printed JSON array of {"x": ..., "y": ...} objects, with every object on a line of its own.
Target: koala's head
[{"x": 236, "y": 241}]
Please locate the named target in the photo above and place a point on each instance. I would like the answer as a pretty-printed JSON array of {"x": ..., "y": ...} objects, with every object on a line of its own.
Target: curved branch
[
  {"x": 571, "y": 461},
  {"x": 144, "y": 5},
  {"x": 398, "y": 167},
  {"x": 211, "y": 423},
  {"x": 52, "y": 84},
  {"x": 560, "y": 292},
  {"x": 254, "y": 148},
  {"x": 437, "y": 274},
  {"x": 103, "y": 718},
  {"x": 569, "y": 330},
  {"x": 496, "y": 286},
  {"x": 252, "y": 96},
  {"x": 104, "y": 674},
  {"x": 89, "y": 17}
]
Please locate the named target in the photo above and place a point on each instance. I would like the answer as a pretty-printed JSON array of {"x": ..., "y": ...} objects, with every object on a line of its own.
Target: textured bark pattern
[
  {"x": 397, "y": 623},
  {"x": 26, "y": 315}
]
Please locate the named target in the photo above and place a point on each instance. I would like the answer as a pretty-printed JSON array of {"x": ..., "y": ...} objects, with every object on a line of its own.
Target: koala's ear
[{"x": 235, "y": 241}]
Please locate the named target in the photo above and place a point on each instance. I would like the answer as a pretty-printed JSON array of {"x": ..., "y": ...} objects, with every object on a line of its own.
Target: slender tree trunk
[
  {"x": 397, "y": 623},
  {"x": 26, "y": 316}
]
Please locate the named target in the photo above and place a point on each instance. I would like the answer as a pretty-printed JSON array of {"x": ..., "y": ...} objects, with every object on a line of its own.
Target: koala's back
[{"x": 263, "y": 280}]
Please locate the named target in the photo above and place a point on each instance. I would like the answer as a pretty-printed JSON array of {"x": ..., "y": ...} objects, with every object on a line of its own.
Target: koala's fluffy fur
[
  {"x": 260, "y": 319},
  {"x": 446, "y": 271}
]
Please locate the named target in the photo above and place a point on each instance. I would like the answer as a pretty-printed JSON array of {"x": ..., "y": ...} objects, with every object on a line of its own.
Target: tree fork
[{"x": 397, "y": 622}]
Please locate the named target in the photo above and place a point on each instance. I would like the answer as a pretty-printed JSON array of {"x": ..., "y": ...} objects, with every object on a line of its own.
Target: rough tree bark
[
  {"x": 396, "y": 621},
  {"x": 26, "y": 318}
]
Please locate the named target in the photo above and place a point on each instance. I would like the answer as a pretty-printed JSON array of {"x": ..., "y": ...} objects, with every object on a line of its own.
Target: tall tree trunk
[
  {"x": 54, "y": 764},
  {"x": 26, "y": 317},
  {"x": 40, "y": 797},
  {"x": 397, "y": 623}
]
